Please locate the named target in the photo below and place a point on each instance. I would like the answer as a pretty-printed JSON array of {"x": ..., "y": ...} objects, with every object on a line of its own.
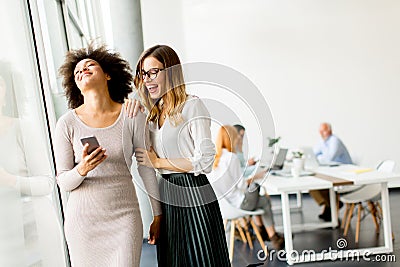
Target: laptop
[
  {"x": 280, "y": 159},
  {"x": 312, "y": 162},
  {"x": 287, "y": 173}
]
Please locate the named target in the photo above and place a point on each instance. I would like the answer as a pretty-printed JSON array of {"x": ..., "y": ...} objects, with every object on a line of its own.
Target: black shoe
[
  {"x": 326, "y": 214},
  {"x": 340, "y": 204},
  {"x": 278, "y": 241},
  {"x": 263, "y": 233}
]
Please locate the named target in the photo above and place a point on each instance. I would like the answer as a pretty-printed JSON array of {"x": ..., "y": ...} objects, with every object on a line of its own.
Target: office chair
[
  {"x": 369, "y": 194},
  {"x": 234, "y": 216}
]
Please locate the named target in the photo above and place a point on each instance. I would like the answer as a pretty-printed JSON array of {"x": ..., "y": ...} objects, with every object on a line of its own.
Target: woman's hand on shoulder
[
  {"x": 132, "y": 106},
  {"x": 154, "y": 233},
  {"x": 92, "y": 160}
]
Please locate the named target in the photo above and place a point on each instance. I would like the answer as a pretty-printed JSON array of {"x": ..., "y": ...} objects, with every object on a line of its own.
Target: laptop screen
[{"x": 280, "y": 158}]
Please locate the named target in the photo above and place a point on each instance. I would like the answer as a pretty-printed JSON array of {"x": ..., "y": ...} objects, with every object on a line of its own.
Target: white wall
[{"x": 314, "y": 61}]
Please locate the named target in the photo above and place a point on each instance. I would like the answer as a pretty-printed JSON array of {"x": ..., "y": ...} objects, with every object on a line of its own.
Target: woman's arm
[
  {"x": 200, "y": 131},
  {"x": 70, "y": 176},
  {"x": 150, "y": 159},
  {"x": 147, "y": 173}
]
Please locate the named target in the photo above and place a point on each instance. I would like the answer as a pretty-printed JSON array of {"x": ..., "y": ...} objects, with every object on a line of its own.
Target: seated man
[{"x": 330, "y": 148}]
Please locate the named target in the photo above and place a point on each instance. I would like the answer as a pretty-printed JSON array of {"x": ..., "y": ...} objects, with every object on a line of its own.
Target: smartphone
[{"x": 92, "y": 141}]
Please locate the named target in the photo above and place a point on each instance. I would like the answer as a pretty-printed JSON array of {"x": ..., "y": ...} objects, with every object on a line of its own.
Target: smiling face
[
  {"x": 154, "y": 86},
  {"x": 88, "y": 73}
]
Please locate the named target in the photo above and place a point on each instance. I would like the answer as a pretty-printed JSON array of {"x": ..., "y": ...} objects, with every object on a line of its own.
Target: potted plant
[
  {"x": 298, "y": 162},
  {"x": 273, "y": 141},
  {"x": 272, "y": 147}
]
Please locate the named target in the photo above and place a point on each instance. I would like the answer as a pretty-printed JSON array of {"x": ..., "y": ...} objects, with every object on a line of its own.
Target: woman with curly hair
[
  {"x": 103, "y": 225},
  {"x": 192, "y": 232}
]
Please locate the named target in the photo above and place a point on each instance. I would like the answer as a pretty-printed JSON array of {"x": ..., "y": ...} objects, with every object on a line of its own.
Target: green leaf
[{"x": 273, "y": 141}]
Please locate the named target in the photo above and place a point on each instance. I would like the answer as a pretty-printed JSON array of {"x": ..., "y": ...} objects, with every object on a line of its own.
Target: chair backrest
[
  {"x": 386, "y": 166},
  {"x": 228, "y": 211}
]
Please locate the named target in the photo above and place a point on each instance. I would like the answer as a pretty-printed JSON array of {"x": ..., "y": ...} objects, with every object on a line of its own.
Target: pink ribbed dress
[{"x": 103, "y": 225}]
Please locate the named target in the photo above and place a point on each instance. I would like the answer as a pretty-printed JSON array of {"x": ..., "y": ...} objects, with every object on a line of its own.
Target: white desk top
[
  {"x": 280, "y": 184},
  {"x": 358, "y": 174}
]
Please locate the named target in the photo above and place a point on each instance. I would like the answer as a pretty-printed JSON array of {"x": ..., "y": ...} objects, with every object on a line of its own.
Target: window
[
  {"x": 30, "y": 224},
  {"x": 34, "y": 43}
]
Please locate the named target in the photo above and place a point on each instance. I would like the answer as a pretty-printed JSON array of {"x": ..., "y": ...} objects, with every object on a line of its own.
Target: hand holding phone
[
  {"x": 92, "y": 141},
  {"x": 90, "y": 161}
]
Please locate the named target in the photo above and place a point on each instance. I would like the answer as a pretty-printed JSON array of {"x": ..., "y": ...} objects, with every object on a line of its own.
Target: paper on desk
[{"x": 358, "y": 171}]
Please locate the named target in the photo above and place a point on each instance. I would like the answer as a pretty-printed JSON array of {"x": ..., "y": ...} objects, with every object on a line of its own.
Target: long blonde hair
[
  {"x": 226, "y": 138},
  {"x": 175, "y": 95}
]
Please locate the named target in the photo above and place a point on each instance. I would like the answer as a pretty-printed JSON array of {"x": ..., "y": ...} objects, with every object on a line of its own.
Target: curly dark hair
[{"x": 112, "y": 63}]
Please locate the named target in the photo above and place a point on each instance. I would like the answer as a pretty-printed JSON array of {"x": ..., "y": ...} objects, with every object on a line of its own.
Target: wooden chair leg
[
  {"x": 246, "y": 229},
  {"x": 360, "y": 208},
  {"x": 239, "y": 227},
  {"x": 346, "y": 211},
  {"x": 373, "y": 211},
  {"x": 258, "y": 235},
  {"x": 380, "y": 214},
  {"x": 349, "y": 216},
  {"x": 232, "y": 240},
  {"x": 225, "y": 224}
]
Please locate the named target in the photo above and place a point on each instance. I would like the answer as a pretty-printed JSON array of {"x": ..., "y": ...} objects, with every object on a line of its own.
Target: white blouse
[
  {"x": 227, "y": 179},
  {"x": 190, "y": 139}
]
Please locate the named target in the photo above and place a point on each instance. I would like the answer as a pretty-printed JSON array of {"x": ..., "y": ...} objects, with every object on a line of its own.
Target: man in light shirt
[{"x": 329, "y": 149}]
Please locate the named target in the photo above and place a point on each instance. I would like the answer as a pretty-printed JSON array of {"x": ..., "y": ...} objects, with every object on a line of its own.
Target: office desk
[
  {"x": 372, "y": 176},
  {"x": 285, "y": 185}
]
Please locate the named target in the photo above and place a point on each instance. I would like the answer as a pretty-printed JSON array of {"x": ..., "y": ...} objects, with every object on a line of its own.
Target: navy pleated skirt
[{"x": 192, "y": 232}]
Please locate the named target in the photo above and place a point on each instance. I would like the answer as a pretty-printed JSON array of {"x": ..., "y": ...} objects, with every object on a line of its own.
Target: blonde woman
[
  {"x": 192, "y": 231},
  {"x": 227, "y": 180}
]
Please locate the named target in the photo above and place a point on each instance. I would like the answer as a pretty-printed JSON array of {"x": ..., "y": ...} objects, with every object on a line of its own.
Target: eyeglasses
[{"x": 151, "y": 73}]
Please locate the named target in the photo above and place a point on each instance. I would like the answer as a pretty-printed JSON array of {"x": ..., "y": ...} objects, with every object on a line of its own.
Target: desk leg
[
  {"x": 299, "y": 200},
  {"x": 334, "y": 211},
  {"x": 387, "y": 226},
  {"x": 287, "y": 226}
]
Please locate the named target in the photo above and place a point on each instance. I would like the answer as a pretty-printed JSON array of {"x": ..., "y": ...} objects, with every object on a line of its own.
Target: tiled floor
[{"x": 314, "y": 240}]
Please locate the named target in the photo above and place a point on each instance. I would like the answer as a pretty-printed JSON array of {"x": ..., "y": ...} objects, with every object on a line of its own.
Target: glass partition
[{"x": 30, "y": 227}]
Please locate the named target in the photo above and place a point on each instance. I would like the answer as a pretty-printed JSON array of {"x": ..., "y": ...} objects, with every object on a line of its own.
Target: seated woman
[{"x": 227, "y": 181}]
